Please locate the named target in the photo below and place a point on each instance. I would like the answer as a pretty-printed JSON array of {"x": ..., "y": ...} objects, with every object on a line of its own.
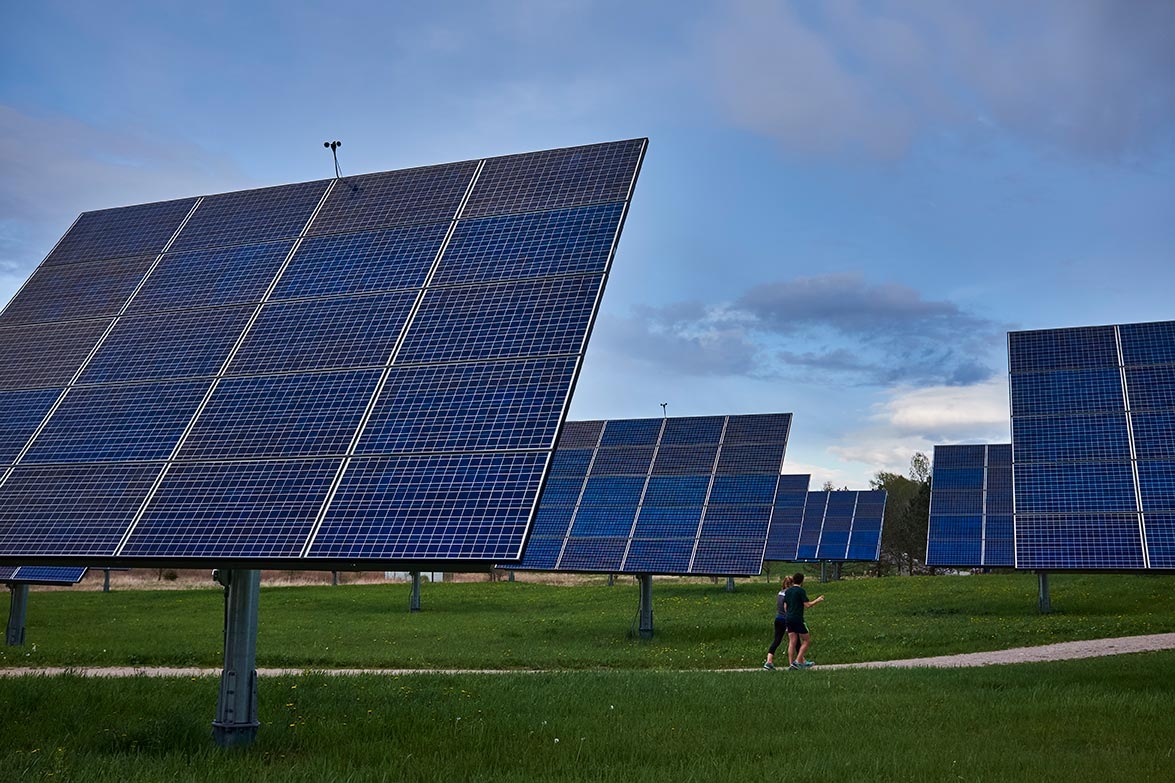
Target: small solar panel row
[
  {"x": 41, "y": 575},
  {"x": 679, "y": 495},
  {"x": 971, "y": 507}
]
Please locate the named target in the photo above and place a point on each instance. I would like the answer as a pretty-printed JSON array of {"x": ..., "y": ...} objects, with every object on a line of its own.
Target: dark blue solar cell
[
  {"x": 207, "y": 278},
  {"x": 552, "y": 520},
  {"x": 73, "y": 509},
  {"x": 1156, "y": 482},
  {"x": 1148, "y": 343},
  {"x": 305, "y": 415},
  {"x": 1069, "y": 392},
  {"x": 118, "y": 423},
  {"x": 632, "y": 432},
  {"x": 962, "y": 456},
  {"x": 501, "y": 321},
  {"x": 542, "y": 553},
  {"x": 1098, "y": 438},
  {"x": 428, "y": 194},
  {"x": 784, "y": 533},
  {"x": 571, "y": 462},
  {"x": 143, "y": 229},
  {"x": 182, "y": 344},
  {"x": 510, "y": 247},
  {"x": 685, "y": 460},
  {"x": 677, "y": 491},
  {"x": 691, "y": 430},
  {"x": 1151, "y": 388},
  {"x": 864, "y": 545},
  {"x": 553, "y": 179},
  {"x": 760, "y": 458},
  {"x": 999, "y": 502},
  {"x": 320, "y": 334},
  {"x": 38, "y": 355},
  {"x": 603, "y": 521},
  {"x": 999, "y": 553},
  {"x": 560, "y": 491},
  {"x": 959, "y": 501},
  {"x": 250, "y": 216},
  {"x": 956, "y": 527},
  {"x": 668, "y": 522},
  {"x": 21, "y": 412},
  {"x": 795, "y": 483},
  {"x": 952, "y": 552},
  {"x": 368, "y": 262},
  {"x": 999, "y": 454},
  {"x": 957, "y": 478},
  {"x": 613, "y": 491},
  {"x": 1059, "y": 349},
  {"x": 758, "y": 428},
  {"x": 658, "y": 556},
  {"x": 580, "y": 434},
  {"x": 1074, "y": 488},
  {"x": 7, "y": 572},
  {"x": 468, "y": 506},
  {"x": 1160, "y": 540},
  {"x": 486, "y": 406},
  {"x": 1078, "y": 541},
  {"x": 834, "y": 544},
  {"x": 736, "y": 522},
  {"x": 233, "y": 509},
  {"x": 50, "y": 575},
  {"x": 601, "y": 555},
  {"x": 627, "y": 461},
  {"x": 743, "y": 489},
  {"x": 728, "y": 557},
  {"x": 72, "y": 291},
  {"x": 1154, "y": 434}
]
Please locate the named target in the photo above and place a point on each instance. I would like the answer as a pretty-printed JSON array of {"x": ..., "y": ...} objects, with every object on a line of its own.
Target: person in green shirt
[{"x": 795, "y": 600}]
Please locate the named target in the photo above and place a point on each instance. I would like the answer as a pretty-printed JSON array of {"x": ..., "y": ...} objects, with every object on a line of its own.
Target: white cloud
[{"x": 949, "y": 412}]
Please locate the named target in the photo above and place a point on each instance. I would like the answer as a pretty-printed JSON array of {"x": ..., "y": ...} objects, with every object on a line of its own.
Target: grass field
[{"x": 619, "y": 708}]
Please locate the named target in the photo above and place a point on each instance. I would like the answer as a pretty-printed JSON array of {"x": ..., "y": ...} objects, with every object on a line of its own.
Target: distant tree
[
  {"x": 907, "y": 515},
  {"x": 828, "y": 487}
]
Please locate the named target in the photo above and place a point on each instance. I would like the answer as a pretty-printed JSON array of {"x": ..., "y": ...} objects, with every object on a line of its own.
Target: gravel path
[{"x": 1048, "y": 652}]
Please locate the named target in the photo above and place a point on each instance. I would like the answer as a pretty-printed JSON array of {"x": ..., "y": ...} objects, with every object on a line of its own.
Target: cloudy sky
[{"x": 845, "y": 205}]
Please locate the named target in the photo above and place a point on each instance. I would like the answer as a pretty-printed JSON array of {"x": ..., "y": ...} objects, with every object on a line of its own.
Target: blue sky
[{"x": 845, "y": 205}]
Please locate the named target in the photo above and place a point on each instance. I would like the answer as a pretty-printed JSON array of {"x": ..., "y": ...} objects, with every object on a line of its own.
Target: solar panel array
[
  {"x": 1093, "y": 417},
  {"x": 41, "y": 575},
  {"x": 783, "y": 536},
  {"x": 341, "y": 371},
  {"x": 971, "y": 507},
  {"x": 679, "y": 495},
  {"x": 842, "y": 525}
]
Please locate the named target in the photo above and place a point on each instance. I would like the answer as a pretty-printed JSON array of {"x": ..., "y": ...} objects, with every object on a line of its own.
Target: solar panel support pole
[
  {"x": 730, "y": 584},
  {"x": 236, "y": 710},
  {"x": 106, "y": 580},
  {"x": 823, "y": 570},
  {"x": 17, "y": 608},
  {"x": 646, "y": 609},
  {"x": 414, "y": 600},
  {"x": 1042, "y": 592}
]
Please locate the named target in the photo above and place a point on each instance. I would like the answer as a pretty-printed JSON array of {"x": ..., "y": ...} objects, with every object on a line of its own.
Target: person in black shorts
[
  {"x": 795, "y": 601},
  {"x": 780, "y": 625}
]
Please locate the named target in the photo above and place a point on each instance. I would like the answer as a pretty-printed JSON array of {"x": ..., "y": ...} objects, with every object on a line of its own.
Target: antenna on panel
[
  {"x": 334, "y": 150},
  {"x": 664, "y": 411}
]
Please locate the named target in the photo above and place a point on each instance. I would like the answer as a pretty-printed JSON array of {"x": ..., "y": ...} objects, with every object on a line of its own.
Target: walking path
[{"x": 1049, "y": 652}]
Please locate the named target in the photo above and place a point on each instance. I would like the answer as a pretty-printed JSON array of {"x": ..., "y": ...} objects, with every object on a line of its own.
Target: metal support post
[
  {"x": 1042, "y": 597},
  {"x": 611, "y": 579},
  {"x": 730, "y": 584},
  {"x": 510, "y": 578},
  {"x": 414, "y": 601},
  {"x": 646, "y": 610},
  {"x": 236, "y": 710},
  {"x": 106, "y": 580},
  {"x": 823, "y": 570},
  {"x": 836, "y": 572},
  {"x": 334, "y": 578},
  {"x": 17, "y": 608}
]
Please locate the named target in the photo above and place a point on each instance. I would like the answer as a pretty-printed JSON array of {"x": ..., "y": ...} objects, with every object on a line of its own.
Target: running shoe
[{"x": 769, "y": 666}]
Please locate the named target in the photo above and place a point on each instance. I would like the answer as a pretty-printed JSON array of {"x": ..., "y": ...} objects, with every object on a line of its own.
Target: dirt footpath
[{"x": 1049, "y": 652}]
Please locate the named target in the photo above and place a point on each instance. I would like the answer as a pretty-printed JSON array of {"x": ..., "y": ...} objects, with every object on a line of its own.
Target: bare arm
[{"x": 810, "y": 604}]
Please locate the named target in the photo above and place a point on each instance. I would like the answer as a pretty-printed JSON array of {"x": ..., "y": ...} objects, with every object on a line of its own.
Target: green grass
[
  {"x": 526, "y": 625},
  {"x": 1075, "y": 721}
]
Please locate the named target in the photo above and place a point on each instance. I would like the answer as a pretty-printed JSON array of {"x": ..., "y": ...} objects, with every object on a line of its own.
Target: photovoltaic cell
[
  {"x": 140, "y": 230},
  {"x": 346, "y": 370},
  {"x": 642, "y": 496},
  {"x": 6, "y": 573},
  {"x": 841, "y": 525},
  {"x": 1091, "y": 443},
  {"x": 47, "y": 575},
  {"x": 783, "y": 536}
]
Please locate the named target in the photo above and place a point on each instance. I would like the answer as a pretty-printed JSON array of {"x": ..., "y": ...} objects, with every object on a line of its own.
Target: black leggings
[{"x": 780, "y": 631}]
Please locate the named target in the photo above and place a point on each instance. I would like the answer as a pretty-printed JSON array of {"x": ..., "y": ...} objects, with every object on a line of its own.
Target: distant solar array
[
  {"x": 678, "y": 495},
  {"x": 841, "y": 525},
  {"x": 783, "y": 537},
  {"x": 367, "y": 369},
  {"x": 41, "y": 575},
  {"x": 971, "y": 507},
  {"x": 1093, "y": 417}
]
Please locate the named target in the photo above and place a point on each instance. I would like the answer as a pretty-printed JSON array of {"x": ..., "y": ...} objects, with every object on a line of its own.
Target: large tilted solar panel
[
  {"x": 842, "y": 525},
  {"x": 333, "y": 372},
  {"x": 971, "y": 507},
  {"x": 1093, "y": 446},
  {"x": 41, "y": 575},
  {"x": 677, "y": 495},
  {"x": 783, "y": 537}
]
